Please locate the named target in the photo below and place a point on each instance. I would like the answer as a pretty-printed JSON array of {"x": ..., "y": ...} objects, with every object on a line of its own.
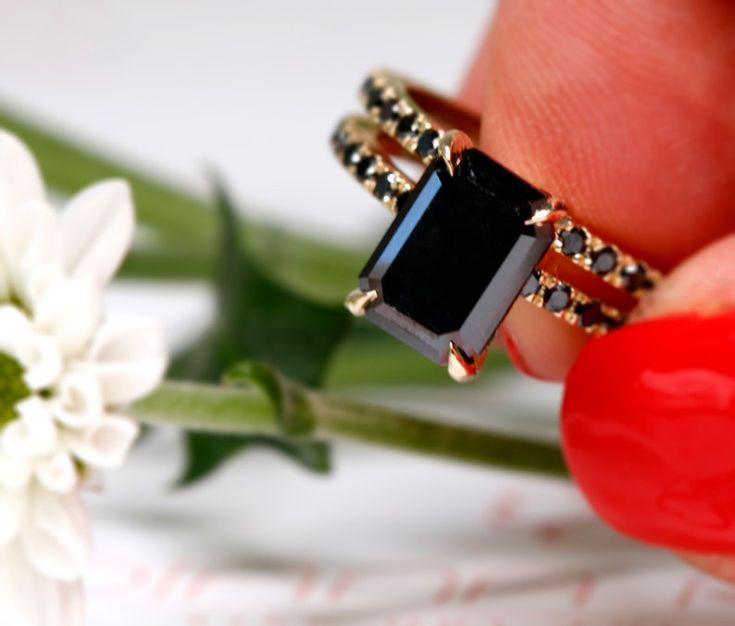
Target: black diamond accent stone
[
  {"x": 612, "y": 324},
  {"x": 339, "y": 139},
  {"x": 389, "y": 111},
  {"x": 604, "y": 261},
  {"x": 557, "y": 298},
  {"x": 372, "y": 93},
  {"x": 589, "y": 314},
  {"x": 634, "y": 278},
  {"x": 456, "y": 256},
  {"x": 427, "y": 143},
  {"x": 573, "y": 241},
  {"x": 533, "y": 284},
  {"x": 366, "y": 167},
  {"x": 401, "y": 199},
  {"x": 374, "y": 99},
  {"x": 407, "y": 126},
  {"x": 384, "y": 185},
  {"x": 367, "y": 86}
]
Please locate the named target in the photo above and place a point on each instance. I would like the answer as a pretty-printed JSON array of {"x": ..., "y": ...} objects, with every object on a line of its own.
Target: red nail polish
[
  {"x": 648, "y": 422},
  {"x": 515, "y": 355}
]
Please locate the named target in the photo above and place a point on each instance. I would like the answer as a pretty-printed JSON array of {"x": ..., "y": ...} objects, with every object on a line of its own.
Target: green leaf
[
  {"x": 207, "y": 452},
  {"x": 257, "y": 318}
]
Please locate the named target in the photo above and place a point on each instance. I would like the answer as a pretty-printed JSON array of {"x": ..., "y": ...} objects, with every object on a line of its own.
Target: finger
[
  {"x": 622, "y": 110},
  {"x": 649, "y": 413}
]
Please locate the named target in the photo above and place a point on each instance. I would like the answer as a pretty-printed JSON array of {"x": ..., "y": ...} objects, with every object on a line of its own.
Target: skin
[{"x": 624, "y": 109}]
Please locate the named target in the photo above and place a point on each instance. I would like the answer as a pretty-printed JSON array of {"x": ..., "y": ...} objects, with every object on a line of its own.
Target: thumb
[{"x": 648, "y": 415}]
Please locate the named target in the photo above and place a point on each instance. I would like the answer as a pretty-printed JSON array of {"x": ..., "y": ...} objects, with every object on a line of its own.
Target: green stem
[{"x": 248, "y": 409}]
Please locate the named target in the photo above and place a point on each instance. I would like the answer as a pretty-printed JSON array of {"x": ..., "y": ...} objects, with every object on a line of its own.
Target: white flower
[{"x": 66, "y": 372}]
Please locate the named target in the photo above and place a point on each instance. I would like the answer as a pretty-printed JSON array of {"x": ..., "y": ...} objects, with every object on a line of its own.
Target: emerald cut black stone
[{"x": 456, "y": 256}]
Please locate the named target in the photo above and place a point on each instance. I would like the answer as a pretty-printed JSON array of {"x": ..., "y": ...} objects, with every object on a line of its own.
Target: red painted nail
[{"x": 648, "y": 423}]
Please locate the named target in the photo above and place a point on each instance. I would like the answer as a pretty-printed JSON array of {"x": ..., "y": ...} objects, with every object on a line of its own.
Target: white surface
[
  {"x": 254, "y": 88},
  {"x": 390, "y": 539}
]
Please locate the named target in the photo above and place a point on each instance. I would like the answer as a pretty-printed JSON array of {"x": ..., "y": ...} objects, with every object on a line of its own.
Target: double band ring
[{"x": 469, "y": 237}]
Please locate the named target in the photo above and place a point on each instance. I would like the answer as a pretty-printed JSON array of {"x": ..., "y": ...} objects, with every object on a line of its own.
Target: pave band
[{"x": 406, "y": 119}]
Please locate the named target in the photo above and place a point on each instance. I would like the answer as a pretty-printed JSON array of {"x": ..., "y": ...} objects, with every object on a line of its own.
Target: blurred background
[{"x": 254, "y": 89}]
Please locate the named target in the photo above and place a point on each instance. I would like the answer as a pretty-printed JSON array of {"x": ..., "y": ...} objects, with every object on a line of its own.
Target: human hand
[{"x": 625, "y": 111}]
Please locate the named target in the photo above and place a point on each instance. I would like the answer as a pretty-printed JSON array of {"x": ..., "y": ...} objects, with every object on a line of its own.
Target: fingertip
[{"x": 539, "y": 344}]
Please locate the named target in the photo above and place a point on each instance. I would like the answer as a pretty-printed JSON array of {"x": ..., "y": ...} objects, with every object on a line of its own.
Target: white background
[{"x": 255, "y": 88}]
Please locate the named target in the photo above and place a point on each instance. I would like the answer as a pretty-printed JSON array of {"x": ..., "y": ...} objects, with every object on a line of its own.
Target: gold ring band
[{"x": 422, "y": 124}]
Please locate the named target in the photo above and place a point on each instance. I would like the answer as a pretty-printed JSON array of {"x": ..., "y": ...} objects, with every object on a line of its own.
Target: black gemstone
[
  {"x": 589, "y": 314},
  {"x": 401, "y": 199},
  {"x": 351, "y": 155},
  {"x": 427, "y": 143},
  {"x": 374, "y": 99},
  {"x": 366, "y": 167},
  {"x": 456, "y": 256},
  {"x": 557, "y": 298},
  {"x": 367, "y": 86},
  {"x": 384, "y": 185},
  {"x": 389, "y": 110},
  {"x": 634, "y": 278},
  {"x": 532, "y": 284},
  {"x": 612, "y": 324},
  {"x": 339, "y": 139},
  {"x": 573, "y": 241},
  {"x": 407, "y": 126},
  {"x": 604, "y": 261}
]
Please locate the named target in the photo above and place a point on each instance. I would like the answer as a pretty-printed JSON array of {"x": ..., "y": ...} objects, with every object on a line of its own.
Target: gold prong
[
  {"x": 547, "y": 213},
  {"x": 452, "y": 144},
  {"x": 358, "y": 302},
  {"x": 462, "y": 367}
]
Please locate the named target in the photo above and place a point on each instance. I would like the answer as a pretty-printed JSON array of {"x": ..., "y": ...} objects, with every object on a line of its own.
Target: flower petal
[
  {"x": 56, "y": 534},
  {"x": 15, "y": 473},
  {"x": 28, "y": 598},
  {"x": 128, "y": 356},
  {"x": 12, "y": 508},
  {"x": 20, "y": 178},
  {"x": 40, "y": 357},
  {"x": 33, "y": 433},
  {"x": 15, "y": 328},
  {"x": 69, "y": 309},
  {"x": 96, "y": 228},
  {"x": 106, "y": 442},
  {"x": 57, "y": 473},
  {"x": 79, "y": 400}
]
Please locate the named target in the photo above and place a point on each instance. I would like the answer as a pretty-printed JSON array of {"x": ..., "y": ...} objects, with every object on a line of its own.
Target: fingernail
[
  {"x": 648, "y": 425},
  {"x": 515, "y": 354}
]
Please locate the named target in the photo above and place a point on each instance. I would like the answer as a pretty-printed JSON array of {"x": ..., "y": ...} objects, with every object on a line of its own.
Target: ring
[{"x": 469, "y": 236}]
